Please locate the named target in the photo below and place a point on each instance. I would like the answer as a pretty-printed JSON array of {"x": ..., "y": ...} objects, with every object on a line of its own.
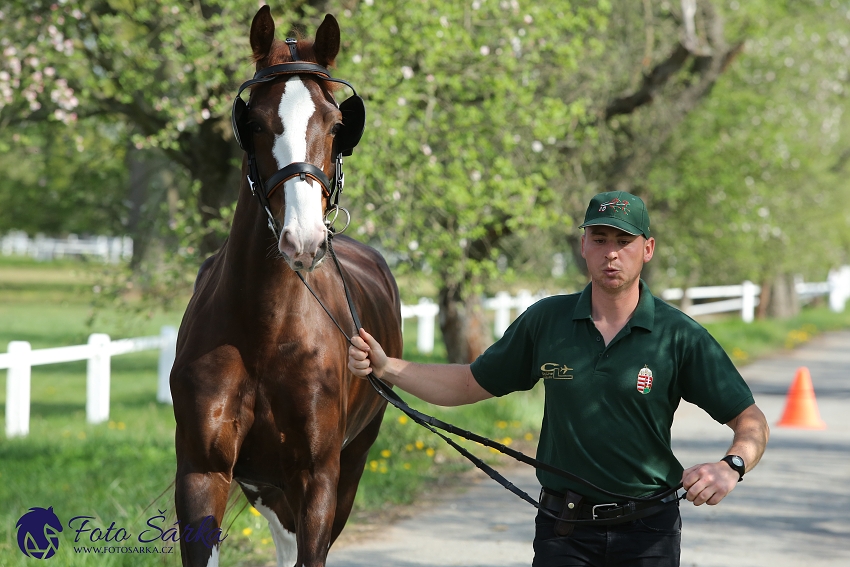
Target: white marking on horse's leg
[
  {"x": 213, "y": 560},
  {"x": 285, "y": 544},
  {"x": 303, "y": 227}
]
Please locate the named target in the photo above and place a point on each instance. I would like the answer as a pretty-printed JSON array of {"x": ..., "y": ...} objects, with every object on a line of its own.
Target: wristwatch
[{"x": 736, "y": 463}]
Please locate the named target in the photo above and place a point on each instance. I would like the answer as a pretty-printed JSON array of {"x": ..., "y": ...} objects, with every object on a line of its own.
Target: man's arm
[
  {"x": 440, "y": 384},
  {"x": 711, "y": 482}
]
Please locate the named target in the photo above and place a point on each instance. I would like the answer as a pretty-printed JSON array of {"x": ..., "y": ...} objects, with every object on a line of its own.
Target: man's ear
[
  {"x": 582, "y": 245},
  {"x": 648, "y": 249}
]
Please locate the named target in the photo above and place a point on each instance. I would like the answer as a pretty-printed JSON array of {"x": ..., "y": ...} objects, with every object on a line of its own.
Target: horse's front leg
[
  {"x": 200, "y": 499},
  {"x": 313, "y": 497},
  {"x": 213, "y": 416}
]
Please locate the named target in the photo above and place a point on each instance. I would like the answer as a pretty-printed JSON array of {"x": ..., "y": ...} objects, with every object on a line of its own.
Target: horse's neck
[{"x": 252, "y": 261}]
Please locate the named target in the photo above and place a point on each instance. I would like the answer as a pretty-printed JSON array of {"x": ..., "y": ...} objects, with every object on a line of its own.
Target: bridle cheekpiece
[{"x": 353, "y": 122}]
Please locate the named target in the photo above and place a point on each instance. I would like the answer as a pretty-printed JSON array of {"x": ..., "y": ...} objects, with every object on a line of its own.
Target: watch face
[{"x": 738, "y": 461}]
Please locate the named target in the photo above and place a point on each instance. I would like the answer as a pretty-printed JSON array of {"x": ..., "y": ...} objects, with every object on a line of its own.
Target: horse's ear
[
  {"x": 262, "y": 33},
  {"x": 326, "y": 46}
]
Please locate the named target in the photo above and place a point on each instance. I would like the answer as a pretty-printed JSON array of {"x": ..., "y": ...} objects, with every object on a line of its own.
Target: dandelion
[
  {"x": 386, "y": 453},
  {"x": 501, "y": 424},
  {"x": 408, "y": 447},
  {"x": 402, "y": 419},
  {"x": 121, "y": 425},
  {"x": 420, "y": 445},
  {"x": 383, "y": 470},
  {"x": 266, "y": 540},
  {"x": 81, "y": 435},
  {"x": 528, "y": 437},
  {"x": 254, "y": 511},
  {"x": 247, "y": 531},
  {"x": 406, "y": 466},
  {"x": 507, "y": 441},
  {"x": 429, "y": 451}
]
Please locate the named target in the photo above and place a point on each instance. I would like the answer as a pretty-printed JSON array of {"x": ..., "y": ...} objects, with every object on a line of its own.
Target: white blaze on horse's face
[{"x": 304, "y": 230}]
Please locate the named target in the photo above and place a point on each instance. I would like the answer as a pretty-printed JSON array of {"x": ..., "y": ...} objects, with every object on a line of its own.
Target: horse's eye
[
  {"x": 337, "y": 127},
  {"x": 256, "y": 127}
]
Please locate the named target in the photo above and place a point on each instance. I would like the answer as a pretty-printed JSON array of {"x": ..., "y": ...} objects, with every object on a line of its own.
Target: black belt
[{"x": 607, "y": 510}]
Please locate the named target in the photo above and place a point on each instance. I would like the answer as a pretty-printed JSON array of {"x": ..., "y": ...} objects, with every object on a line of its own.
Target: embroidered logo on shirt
[
  {"x": 644, "y": 381},
  {"x": 555, "y": 371}
]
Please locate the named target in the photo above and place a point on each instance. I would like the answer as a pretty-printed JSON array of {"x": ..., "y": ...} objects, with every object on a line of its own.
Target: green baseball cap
[{"x": 618, "y": 209}]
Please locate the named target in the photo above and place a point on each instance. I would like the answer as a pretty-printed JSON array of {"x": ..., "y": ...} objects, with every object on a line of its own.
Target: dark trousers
[{"x": 653, "y": 541}]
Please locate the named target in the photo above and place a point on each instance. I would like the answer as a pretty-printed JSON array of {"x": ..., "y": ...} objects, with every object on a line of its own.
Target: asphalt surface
[{"x": 792, "y": 510}]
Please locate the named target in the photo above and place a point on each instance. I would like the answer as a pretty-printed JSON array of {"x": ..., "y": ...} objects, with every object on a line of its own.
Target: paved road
[{"x": 793, "y": 510}]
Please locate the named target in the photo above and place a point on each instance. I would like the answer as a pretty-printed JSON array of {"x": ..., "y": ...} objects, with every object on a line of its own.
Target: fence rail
[
  {"x": 742, "y": 298},
  {"x": 99, "y": 351},
  {"x": 112, "y": 249}
]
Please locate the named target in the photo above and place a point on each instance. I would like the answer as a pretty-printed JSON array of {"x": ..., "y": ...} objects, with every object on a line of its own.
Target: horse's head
[{"x": 294, "y": 134}]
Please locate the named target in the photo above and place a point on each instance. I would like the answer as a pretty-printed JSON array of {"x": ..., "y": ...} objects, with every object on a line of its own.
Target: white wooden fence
[
  {"x": 99, "y": 351},
  {"x": 741, "y": 298},
  {"x": 106, "y": 248}
]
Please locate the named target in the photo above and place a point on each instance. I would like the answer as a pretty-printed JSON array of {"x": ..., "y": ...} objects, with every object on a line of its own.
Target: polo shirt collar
[{"x": 644, "y": 315}]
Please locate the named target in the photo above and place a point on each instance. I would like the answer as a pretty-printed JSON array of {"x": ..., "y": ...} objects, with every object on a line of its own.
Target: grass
[{"x": 121, "y": 471}]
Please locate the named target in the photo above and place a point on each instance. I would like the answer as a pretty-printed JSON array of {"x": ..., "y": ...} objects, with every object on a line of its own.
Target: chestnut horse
[{"x": 262, "y": 394}]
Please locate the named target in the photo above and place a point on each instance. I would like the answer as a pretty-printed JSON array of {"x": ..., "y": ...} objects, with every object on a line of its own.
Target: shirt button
[{"x": 598, "y": 339}]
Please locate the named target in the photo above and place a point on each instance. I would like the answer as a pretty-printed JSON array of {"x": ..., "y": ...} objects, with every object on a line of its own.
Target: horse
[{"x": 262, "y": 394}]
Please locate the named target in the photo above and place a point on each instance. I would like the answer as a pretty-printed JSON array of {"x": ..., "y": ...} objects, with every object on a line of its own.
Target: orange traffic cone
[{"x": 801, "y": 408}]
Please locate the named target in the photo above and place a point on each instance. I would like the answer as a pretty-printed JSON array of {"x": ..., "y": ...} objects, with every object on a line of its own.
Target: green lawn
[{"x": 121, "y": 471}]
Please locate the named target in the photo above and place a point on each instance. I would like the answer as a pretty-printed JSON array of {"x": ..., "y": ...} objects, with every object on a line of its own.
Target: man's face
[{"x": 615, "y": 258}]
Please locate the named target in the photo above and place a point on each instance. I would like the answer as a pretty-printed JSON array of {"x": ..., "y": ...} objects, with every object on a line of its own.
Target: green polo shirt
[{"x": 608, "y": 410}]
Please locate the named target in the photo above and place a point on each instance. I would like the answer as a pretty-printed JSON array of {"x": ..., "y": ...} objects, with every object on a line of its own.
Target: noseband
[{"x": 353, "y": 122}]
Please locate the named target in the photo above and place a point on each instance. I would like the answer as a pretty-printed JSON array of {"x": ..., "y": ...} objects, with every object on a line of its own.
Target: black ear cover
[
  {"x": 353, "y": 123},
  {"x": 238, "y": 119}
]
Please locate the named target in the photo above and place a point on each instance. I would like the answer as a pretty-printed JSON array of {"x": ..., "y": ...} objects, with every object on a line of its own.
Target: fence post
[
  {"x": 167, "y": 354},
  {"x": 839, "y": 288},
  {"x": 502, "y": 305},
  {"x": 748, "y": 301},
  {"x": 97, "y": 379},
  {"x": 18, "y": 390},
  {"x": 524, "y": 300},
  {"x": 426, "y": 315}
]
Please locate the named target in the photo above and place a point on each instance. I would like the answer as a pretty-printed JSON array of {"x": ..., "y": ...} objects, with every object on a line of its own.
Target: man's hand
[
  {"x": 366, "y": 355},
  {"x": 709, "y": 483}
]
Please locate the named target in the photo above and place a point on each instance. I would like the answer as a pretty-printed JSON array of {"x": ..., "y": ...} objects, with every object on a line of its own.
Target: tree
[
  {"x": 164, "y": 69},
  {"x": 752, "y": 182},
  {"x": 464, "y": 115}
]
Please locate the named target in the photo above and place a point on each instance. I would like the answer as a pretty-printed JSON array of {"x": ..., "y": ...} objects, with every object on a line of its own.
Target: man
[{"x": 615, "y": 362}]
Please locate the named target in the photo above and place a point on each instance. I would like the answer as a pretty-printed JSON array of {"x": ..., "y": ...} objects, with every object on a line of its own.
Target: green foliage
[
  {"x": 459, "y": 150},
  {"x": 748, "y": 187}
]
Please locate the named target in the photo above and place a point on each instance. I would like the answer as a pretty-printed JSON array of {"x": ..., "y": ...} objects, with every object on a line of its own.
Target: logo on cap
[{"x": 617, "y": 205}]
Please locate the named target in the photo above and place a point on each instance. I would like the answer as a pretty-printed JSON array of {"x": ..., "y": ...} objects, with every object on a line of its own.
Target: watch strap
[{"x": 740, "y": 469}]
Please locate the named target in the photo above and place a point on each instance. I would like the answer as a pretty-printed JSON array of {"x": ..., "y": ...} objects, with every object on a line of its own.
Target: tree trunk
[
  {"x": 212, "y": 157},
  {"x": 783, "y": 302},
  {"x": 462, "y": 324}
]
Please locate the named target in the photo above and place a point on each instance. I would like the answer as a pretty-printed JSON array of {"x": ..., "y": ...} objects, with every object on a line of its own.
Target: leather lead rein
[{"x": 433, "y": 424}]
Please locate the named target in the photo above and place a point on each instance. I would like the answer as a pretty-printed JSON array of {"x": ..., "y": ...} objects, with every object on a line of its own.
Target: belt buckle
[{"x": 610, "y": 505}]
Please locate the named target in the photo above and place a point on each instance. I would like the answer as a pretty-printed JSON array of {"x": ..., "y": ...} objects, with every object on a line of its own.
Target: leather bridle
[{"x": 354, "y": 119}]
